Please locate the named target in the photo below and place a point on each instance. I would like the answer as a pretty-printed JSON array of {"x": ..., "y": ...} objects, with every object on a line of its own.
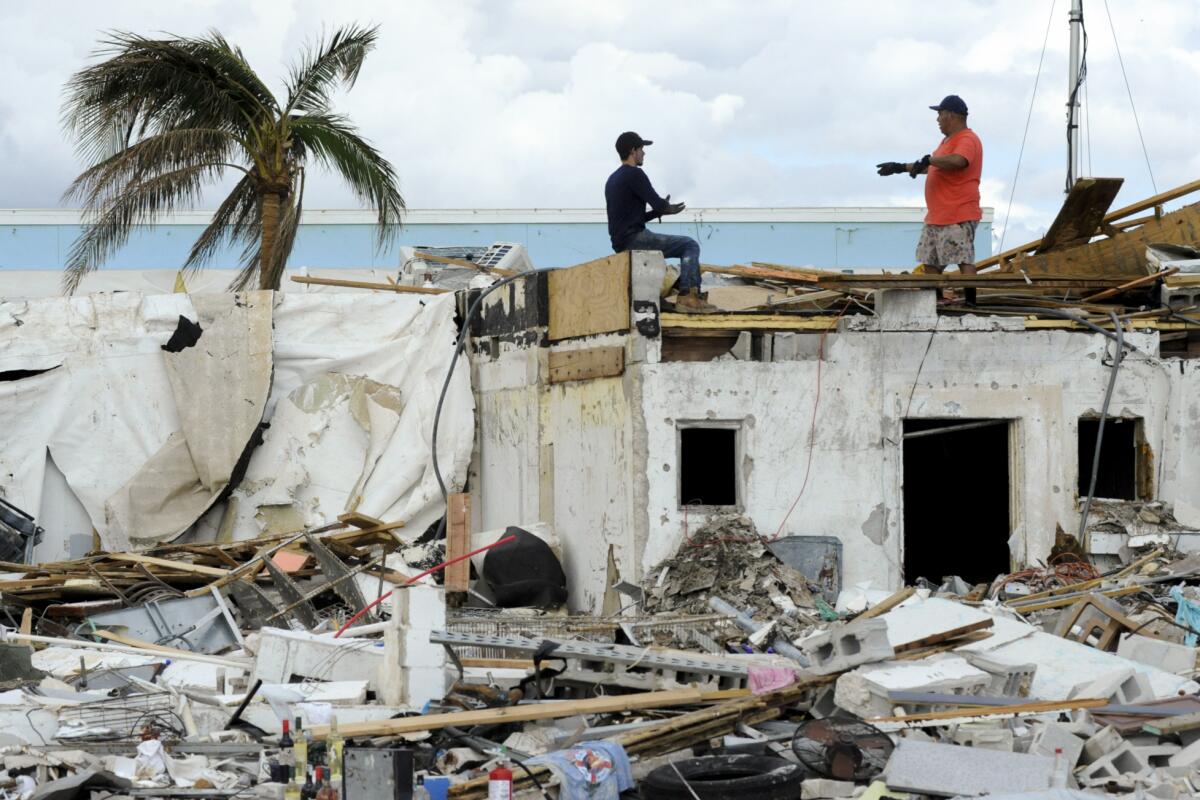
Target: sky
[{"x": 517, "y": 103}]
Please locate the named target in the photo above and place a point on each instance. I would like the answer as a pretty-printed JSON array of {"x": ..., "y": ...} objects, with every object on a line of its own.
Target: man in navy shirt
[{"x": 627, "y": 193}]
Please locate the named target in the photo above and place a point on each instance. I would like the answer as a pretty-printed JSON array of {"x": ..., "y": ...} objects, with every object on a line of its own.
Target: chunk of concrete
[
  {"x": 946, "y": 770},
  {"x": 1122, "y": 761},
  {"x": 984, "y": 735},
  {"x": 824, "y": 789},
  {"x": 1008, "y": 680},
  {"x": 845, "y": 647},
  {"x": 1187, "y": 757},
  {"x": 1165, "y": 655},
  {"x": 1122, "y": 686},
  {"x": 1052, "y": 736},
  {"x": 866, "y": 691}
]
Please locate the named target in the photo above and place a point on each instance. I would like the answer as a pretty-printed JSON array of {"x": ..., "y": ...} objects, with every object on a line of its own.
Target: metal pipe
[
  {"x": 1112, "y": 381},
  {"x": 747, "y": 623},
  {"x": 1074, "y": 80}
]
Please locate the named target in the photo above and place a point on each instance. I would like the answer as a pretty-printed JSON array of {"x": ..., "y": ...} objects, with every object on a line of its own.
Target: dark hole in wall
[
  {"x": 956, "y": 502},
  {"x": 1116, "y": 479},
  {"x": 707, "y": 466},
  {"x": 186, "y": 334}
]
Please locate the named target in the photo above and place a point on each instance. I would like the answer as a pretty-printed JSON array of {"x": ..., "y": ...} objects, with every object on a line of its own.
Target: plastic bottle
[
  {"x": 333, "y": 750},
  {"x": 1058, "y": 778},
  {"x": 500, "y": 780}
]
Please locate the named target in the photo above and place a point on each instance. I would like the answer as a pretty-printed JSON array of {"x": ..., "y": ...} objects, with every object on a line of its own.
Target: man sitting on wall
[{"x": 627, "y": 193}]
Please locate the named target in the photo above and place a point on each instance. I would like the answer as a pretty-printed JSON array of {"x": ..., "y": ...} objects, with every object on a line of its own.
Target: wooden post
[{"x": 458, "y": 542}]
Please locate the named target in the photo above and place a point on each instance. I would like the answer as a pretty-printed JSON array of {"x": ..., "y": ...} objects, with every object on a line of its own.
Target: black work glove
[
  {"x": 672, "y": 208},
  {"x": 919, "y": 167},
  {"x": 891, "y": 168}
]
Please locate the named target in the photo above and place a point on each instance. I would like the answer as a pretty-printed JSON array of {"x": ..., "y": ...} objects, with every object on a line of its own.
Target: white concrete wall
[{"x": 1042, "y": 379}]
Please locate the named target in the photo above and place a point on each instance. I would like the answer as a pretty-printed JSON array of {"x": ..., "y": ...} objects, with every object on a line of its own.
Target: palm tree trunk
[{"x": 268, "y": 278}]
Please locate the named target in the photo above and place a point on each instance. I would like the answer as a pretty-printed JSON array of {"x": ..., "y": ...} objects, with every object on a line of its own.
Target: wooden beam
[
  {"x": 149, "y": 647},
  {"x": 989, "y": 711},
  {"x": 462, "y": 262},
  {"x": 554, "y": 709},
  {"x": 1170, "y": 725},
  {"x": 1133, "y": 284},
  {"x": 944, "y": 636},
  {"x": 167, "y": 564},
  {"x": 458, "y": 541},
  {"x": 381, "y": 287},
  {"x": 888, "y": 604},
  {"x": 1082, "y": 213},
  {"x": 582, "y": 365},
  {"x": 993, "y": 280}
]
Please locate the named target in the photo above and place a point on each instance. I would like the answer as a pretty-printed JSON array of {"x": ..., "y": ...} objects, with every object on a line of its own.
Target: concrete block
[
  {"x": 949, "y": 770},
  {"x": 1157, "y": 755},
  {"x": 1122, "y": 761},
  {"x": 1053, "y": 736},
  {"x": 422, "y": 685},
  {"x": 420, "y": 606},
  {"x": 845, "y": 647},
  {"x": 1101, "y": 744},
  {"x": 1008, "y": 680},
  {"x": 1186, "y": 757},
  {"x": 1122, "y": 686},
  {"x": 866, "y": 691},
  {"x": 822, "y": 789},
  {"x": 1168, "y": 656},
  {"x": 906, "y": 309},
  {"x": 986, "y": 736}
]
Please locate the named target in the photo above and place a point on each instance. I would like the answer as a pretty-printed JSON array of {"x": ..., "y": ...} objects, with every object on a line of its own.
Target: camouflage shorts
[{"x": 947, "y": 244}]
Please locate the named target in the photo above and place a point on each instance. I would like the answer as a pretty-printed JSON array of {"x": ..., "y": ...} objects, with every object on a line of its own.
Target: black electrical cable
[
  {"x": 1112, "y": 382},
  {"x": 1072, "y": 121},
  {"x": 532, "y": 777}
]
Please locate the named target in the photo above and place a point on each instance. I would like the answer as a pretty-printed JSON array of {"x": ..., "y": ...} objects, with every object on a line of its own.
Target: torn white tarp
[
  {"x": 147, "y": 438},
  {"x": 356, "y": 379}
]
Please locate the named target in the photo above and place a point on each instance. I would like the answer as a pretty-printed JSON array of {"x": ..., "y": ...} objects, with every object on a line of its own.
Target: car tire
[{"x": 734, "y": 777}]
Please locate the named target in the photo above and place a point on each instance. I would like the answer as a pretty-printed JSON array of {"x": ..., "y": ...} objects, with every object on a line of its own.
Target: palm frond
[
  {"x": 138, "y": 204},
  {"x": 328, "y": 63},
  {"x": 333, "y": 141},
  {"x": 237, "y": 220}
]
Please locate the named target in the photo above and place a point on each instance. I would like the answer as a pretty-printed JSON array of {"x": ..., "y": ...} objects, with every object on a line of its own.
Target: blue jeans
[{"x": 685, "y": 248}]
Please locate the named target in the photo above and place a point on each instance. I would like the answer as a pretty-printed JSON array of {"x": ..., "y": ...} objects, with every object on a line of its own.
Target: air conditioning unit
[{"x": 506, "y": 255}]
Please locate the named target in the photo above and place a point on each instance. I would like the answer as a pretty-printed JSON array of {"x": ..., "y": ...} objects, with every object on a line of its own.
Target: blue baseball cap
[{"x": 952, "y": 103}]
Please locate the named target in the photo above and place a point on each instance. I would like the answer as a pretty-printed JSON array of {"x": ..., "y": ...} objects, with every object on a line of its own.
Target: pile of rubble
[{"x": 269, "y": 667}]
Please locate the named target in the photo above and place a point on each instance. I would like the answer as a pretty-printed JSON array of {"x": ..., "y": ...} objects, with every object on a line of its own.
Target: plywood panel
[
  {"x": 590, "y": 298},
  {"x": 458, "y": 541},
  {"x": 580, "y": 365}
]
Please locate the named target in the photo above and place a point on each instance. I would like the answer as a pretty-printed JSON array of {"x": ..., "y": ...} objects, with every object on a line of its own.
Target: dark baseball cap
[
  {"x": 629, "y": 141},
  {"x": 952, "y": 103}
]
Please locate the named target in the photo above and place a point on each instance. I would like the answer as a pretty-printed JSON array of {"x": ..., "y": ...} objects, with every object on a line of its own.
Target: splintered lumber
[
  {"x": 553, "y": 709},
  {"x": 944, "y": 636},
  {"x": 150, "y": 647},
  {"x": 765, "y": 273},
  {"x": 1133, "y": 284},
  {"x": 993, "y": 280},
  {"x": 1082, "y": 213},
  {"x": 382, "y": 287},
  {"x": 1045, "y": 707},
  {"x": 461, "y": 262}
]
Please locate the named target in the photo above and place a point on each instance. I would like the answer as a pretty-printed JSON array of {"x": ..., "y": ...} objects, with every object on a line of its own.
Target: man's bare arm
[{"x": 951, "y": 161}]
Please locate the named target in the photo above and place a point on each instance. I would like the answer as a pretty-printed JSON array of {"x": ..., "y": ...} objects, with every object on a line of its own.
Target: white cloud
[{"x": 751, "y": 104}]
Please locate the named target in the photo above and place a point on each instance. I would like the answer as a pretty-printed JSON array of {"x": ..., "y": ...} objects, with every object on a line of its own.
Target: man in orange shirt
[{"x": 951, "y": 191}]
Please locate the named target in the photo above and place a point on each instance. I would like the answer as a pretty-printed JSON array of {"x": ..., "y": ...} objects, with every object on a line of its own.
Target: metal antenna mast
[{"x": 1074, "y": 151}]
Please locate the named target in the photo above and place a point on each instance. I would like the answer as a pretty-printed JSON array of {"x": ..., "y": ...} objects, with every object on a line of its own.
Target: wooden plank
[
  {"x": 1172, "y": 725},
  {"x": 992, "y": 280},
  {"x": 888, "y": 604},
  {"x": 590, "y": 298},
  {"x": 988, "y": 711},
  {"x": 556, "y": 709},
  {"x": 944, "y": 636},
  {"x": 1082, "y": 213},
  {"x": 461, "y": 262},
  {"x": 458, "y": 541},
  {"x": 1133, "y": 284},
  {"x": 163, "y": 563},
  {"x": 150, "y": 647},
  {"x": 382, "y": 287},
  {"x": 361, "y": 521},
  {"x": 582, "y": 365},
  {"x": 27, "y": 621}
]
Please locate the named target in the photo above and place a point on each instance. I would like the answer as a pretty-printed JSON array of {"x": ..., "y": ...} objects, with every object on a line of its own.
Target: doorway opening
[
  {"x": 957, "y": 518},
  {"x": 1117, "y": 476}
]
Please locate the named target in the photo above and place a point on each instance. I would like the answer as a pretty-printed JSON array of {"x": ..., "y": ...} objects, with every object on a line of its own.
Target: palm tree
[{"x": 159, "y": 120}]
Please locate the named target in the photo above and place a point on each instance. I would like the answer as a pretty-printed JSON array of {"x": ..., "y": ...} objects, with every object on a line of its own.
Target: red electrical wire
[{"x": 413, "y": 580}]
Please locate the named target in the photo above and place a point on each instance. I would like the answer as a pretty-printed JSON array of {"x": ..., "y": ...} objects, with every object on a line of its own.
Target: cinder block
[
  {"x": 420, "y": 606},
  {"x": 1122, "y": 761},
  {"x": 417, "y": 651},
  {"x": 988, "y": 737},
  {"x": 1158, "y": 755},
  {"x": 1186, "y": 757},
  {"x": 848, "y": 646},
  {"x": 1101, "y": 744},
  {"x": 866, "y": 692},
  {"x": 1053, "y": 736},
  {"x": 1008, "y": 680},
  {"x": 823, "y": 789},
  {"x": 423, "y": 685},
  {"x": 1169, "y": 656},
  {"x": 1122, "y": 686}
]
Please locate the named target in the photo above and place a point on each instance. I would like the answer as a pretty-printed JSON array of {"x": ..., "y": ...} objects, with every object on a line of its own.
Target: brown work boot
[{"x": 693, "y": 302}]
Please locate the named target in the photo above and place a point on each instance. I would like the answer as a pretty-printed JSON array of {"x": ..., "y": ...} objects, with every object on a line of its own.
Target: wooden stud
[
  {"x": 458, "y": 541},
  {"x": 582, "y": 365},
  {"x": 382, "y": 287}
]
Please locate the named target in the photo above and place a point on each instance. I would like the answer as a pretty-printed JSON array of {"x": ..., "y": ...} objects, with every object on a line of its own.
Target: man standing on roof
[
  {"x": 951, "y": 191},
  {"x": 627, "y": 193}
]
